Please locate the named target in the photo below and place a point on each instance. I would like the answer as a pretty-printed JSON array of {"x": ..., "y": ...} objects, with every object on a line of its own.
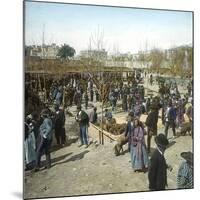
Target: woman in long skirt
[{"x": 139, "y": 156}]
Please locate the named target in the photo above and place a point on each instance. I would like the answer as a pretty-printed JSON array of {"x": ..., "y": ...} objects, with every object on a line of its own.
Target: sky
[{"x": 119, "y": 29}]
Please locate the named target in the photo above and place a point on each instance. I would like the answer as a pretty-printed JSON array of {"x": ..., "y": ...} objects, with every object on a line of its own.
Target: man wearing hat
[
  {"x": 45, "y": 131},
  {"x": 60, "y": 125},
  {"x": 83, "y": 120},
  {"x": 151, "y": 123},
  {"x": 185, "y": 172},
  {"x": 158, "y": 168},
  {"x": 170, "y": 117}
]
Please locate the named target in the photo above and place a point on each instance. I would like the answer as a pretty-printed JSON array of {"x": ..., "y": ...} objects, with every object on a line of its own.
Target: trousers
[
  {"x": 167, "y": 125},
  {"x": 44, "y": 146},
  {"x": 83, "y": 134}
]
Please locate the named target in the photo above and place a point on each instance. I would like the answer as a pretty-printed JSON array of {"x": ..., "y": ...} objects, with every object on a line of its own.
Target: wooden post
[
  {"x": 102, "y": 138},
  {"x": 99, "y": 137}
]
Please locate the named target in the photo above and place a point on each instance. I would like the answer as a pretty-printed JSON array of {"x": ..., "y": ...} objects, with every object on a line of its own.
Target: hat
[
  {"x": 161, "y": 140},
  {"x": 188, "y": 156}
]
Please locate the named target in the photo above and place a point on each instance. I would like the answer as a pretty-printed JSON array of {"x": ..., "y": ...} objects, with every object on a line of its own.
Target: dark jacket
[
  {"x": 152, "y": 120},
  {"x": 171, "y": 116},
  {"x": 59, "y": 119},
  {"x": 128, "y": 129},
  {"x": 157, "y": 172},
  {"x": 83, "y": 118}
]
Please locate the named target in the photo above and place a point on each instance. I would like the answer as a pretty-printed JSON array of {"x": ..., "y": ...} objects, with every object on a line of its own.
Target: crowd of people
[
  {"x": 39, "y": 130},
  {"x": 79, "y": 91},
  {"x": 156, "y": 166}
]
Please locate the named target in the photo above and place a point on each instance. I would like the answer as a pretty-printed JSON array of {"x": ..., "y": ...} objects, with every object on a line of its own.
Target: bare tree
[{"x": 96, "y": 56}]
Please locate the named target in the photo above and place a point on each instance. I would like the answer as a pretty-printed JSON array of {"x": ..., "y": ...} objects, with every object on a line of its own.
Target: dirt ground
[
  {"x": 79, "y": 171},
  {"x": 96, "y": 170}
]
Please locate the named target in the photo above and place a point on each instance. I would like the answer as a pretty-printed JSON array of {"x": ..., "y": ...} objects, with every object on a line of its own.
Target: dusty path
[
  {"x": 95, "y": 170},
  {"x": 79, "y": 171}
]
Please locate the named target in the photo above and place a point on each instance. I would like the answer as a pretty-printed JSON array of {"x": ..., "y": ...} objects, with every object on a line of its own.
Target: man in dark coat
[
  {"x": 124, "y": 102},
  {"x": 60, "y": 126},
  {"x": 158, "y": 168},
  {"x": 91, "y": 94},
  {"x": 45, "y": 141},
  {"x": 170, "y": 118},
  {"x": 151, "y": 123}
]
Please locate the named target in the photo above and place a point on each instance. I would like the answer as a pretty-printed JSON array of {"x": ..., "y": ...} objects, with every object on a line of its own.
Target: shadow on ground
[
  {"x": 74, "y": 158},
  {"x": 125, "y": 151},
  {"x": 60, "y": 158},
  {"x": 72, "y": 140},
  {"x": 57, "y": 159},
  {"x": 68, "y": 143},
  {"x": 171, "y": 144}
]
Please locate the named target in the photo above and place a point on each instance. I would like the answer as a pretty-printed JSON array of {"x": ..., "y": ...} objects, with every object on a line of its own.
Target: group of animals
[
  {"x": 112, "y": 127},
  {"x": 116, "y": 129}
]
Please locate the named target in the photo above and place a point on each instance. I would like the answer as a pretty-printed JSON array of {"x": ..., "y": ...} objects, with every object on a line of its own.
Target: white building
[
  {"x": 45, "y": 51},
  {"x": 96, "y": 54}
]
